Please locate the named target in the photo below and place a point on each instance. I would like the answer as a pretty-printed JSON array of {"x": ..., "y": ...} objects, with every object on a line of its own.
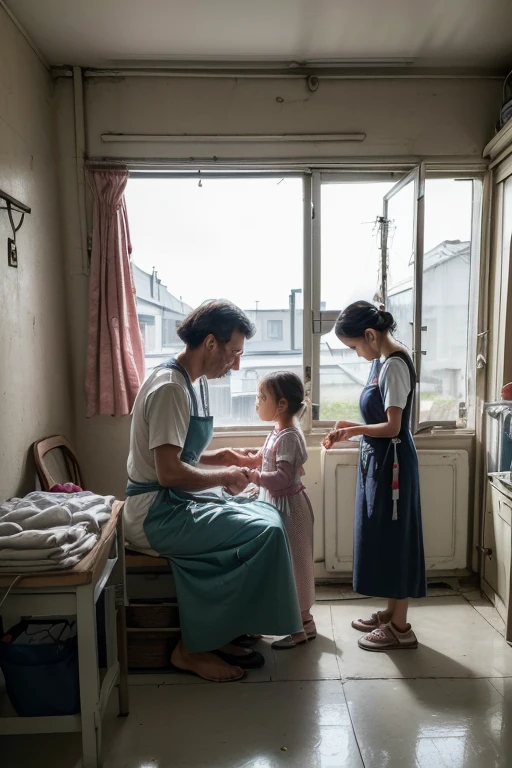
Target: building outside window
[
  {"x": 147, "y": 326},
  {"x": 275, "y": 330}
]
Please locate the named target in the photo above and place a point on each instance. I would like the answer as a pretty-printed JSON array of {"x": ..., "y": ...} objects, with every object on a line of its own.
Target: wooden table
[{"x": 75, "y": 592}]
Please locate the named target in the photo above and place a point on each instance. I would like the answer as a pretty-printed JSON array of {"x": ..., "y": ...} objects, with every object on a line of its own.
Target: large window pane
[
  {"x": 446, "y": 286},
  {"x": 343, "y": 375},
  {"x": 350, "y": 239},
  {"x": 400, "y": 279},
  {"x": 239, "y": 239}
]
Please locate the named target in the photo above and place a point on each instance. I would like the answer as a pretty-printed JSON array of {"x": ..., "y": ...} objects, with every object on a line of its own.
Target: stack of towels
[{"x": 50, "y": 531}]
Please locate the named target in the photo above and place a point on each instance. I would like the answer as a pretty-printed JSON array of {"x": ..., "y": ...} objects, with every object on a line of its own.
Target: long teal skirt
[{"x": 232, "y": 567}]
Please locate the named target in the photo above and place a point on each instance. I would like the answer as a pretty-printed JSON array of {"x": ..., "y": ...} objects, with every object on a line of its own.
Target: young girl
[
  {"x": 388, "y": 542},
  {"x": 281, "y": 460}
]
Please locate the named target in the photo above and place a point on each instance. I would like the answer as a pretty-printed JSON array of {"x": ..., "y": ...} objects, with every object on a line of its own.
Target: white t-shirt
[
  {"x": 161, "y": 416},
  {"x": 395, "y": 383}
]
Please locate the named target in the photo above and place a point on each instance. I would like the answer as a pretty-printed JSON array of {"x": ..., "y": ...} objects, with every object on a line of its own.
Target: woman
[{"x": 388, "y": 541}]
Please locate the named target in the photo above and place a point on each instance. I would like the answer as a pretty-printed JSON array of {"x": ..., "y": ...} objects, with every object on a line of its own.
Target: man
[{"x": 229, "y": 555}]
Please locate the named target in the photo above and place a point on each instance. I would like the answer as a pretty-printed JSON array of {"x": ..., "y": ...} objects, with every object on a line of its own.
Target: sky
[{"x": 242, "y": 239}]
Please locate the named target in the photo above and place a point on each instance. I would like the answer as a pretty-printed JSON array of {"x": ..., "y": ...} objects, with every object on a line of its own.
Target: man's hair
[{"x": 219, "y": 318}]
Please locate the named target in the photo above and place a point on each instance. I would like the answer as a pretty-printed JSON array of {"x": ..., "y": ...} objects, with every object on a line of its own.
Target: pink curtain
[{"x": 115, "y": 356}]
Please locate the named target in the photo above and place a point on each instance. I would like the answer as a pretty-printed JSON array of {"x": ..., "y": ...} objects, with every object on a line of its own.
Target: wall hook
[{"x": 11, "y": 204}]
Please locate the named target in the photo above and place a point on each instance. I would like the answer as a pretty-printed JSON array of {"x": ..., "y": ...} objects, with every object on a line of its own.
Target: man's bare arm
[{"x": 174, "y": 473}]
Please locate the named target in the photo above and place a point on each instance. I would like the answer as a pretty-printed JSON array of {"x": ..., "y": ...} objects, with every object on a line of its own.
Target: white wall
[
  {"x": 416, "y": 117},
  {"x": 402, "y": 119},
  {"x": 34, "y": 346}
]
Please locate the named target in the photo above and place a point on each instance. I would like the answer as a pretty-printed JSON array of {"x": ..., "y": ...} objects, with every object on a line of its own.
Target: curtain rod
[{"x": 300, "y": 164}]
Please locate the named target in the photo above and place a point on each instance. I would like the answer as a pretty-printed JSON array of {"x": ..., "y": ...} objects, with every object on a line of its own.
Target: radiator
[{"x": 444, "y": 487}]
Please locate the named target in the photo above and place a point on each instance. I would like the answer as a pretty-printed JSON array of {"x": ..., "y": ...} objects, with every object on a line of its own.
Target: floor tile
[
  {"x": 299, "y": 725},
  {"x": 489, "y": 613},
  {"x": 234, "y": 726},
  {"x": 430, "y": 723},
  {"x": 455, "y": 642},
  {"x": 504, "y": 687}
]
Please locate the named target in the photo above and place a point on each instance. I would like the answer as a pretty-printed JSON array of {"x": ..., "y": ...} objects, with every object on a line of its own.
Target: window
[
  {"x": 417, "y": 258},
  {"x": 350, "y": 267},
  {"x": 446, "y": 306},
  {"x": 169, "y": 331},
  {"x": 147, "y": 329},
  {"x": 275, "y": 330},
  {"x": 391, "y": 237},
  {"x": 237, "y": 238}
]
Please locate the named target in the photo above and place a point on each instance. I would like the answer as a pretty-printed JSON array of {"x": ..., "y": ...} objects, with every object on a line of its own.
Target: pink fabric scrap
[{"x": 65, "y": 488}]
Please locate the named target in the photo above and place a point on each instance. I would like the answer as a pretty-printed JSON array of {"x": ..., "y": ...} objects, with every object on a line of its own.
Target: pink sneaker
[
  {"x": 389, "y": 638},
  {"x": 366, "y": 625}
]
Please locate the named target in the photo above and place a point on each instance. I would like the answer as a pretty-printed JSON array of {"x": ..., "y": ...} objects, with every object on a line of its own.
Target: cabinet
[{"x": 498, "y": 539}]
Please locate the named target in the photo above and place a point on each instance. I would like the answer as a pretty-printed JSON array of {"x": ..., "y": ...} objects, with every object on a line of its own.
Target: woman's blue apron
[
  {"x": 389, "y": 560},
  {"x": 229, "y": 555}
]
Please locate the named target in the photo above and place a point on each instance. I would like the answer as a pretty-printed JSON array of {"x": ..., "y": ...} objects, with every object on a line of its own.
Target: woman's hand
[
  {"x": 331, "y": 439},
  {"x": 339, "y": 435}
]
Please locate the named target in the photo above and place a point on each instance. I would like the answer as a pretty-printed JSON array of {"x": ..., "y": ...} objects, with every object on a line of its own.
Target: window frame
[{"x": 317, "y": 322}]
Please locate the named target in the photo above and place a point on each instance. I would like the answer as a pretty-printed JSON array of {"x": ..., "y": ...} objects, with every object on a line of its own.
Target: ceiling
[{"x": 113, "y": 33}]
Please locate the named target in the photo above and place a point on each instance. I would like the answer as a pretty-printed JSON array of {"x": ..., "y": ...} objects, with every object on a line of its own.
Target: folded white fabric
[
  {"x": 49, "y": 531},
  {"x": 7, "y": 529}
]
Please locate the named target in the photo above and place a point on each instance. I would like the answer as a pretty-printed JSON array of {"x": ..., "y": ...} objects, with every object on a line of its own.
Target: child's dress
[{"x": 283, "y": 457}]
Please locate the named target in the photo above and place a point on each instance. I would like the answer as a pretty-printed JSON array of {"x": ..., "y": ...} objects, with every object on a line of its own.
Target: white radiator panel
[{"x": 444, "y": 484}]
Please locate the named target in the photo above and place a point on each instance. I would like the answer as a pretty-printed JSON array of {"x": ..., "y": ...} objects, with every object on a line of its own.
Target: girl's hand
[
  {"x": 252, "y": 459},
  {"x": 245, "y": 457},
  {"x": 345, "y": 424}
]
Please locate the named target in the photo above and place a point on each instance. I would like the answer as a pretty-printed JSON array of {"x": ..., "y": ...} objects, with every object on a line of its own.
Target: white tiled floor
[{"x": 327, "y": 705}]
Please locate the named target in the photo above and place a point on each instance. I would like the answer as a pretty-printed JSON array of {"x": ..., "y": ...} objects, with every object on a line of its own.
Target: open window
[
  {"x": 403, "y": 217},
  {"x": 409, "y": 241}
]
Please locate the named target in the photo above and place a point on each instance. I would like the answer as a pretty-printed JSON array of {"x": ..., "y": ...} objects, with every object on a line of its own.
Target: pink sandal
[
  {"x": 389, "y": 638},
  {"x": 300, "y": 638},
  {"x": 367, "y": 625}
]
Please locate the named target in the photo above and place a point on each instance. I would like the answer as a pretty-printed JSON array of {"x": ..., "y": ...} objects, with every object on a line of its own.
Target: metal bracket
[
  {"x": 11, "y": 204},
  {"x": 486, "y": 551}
]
